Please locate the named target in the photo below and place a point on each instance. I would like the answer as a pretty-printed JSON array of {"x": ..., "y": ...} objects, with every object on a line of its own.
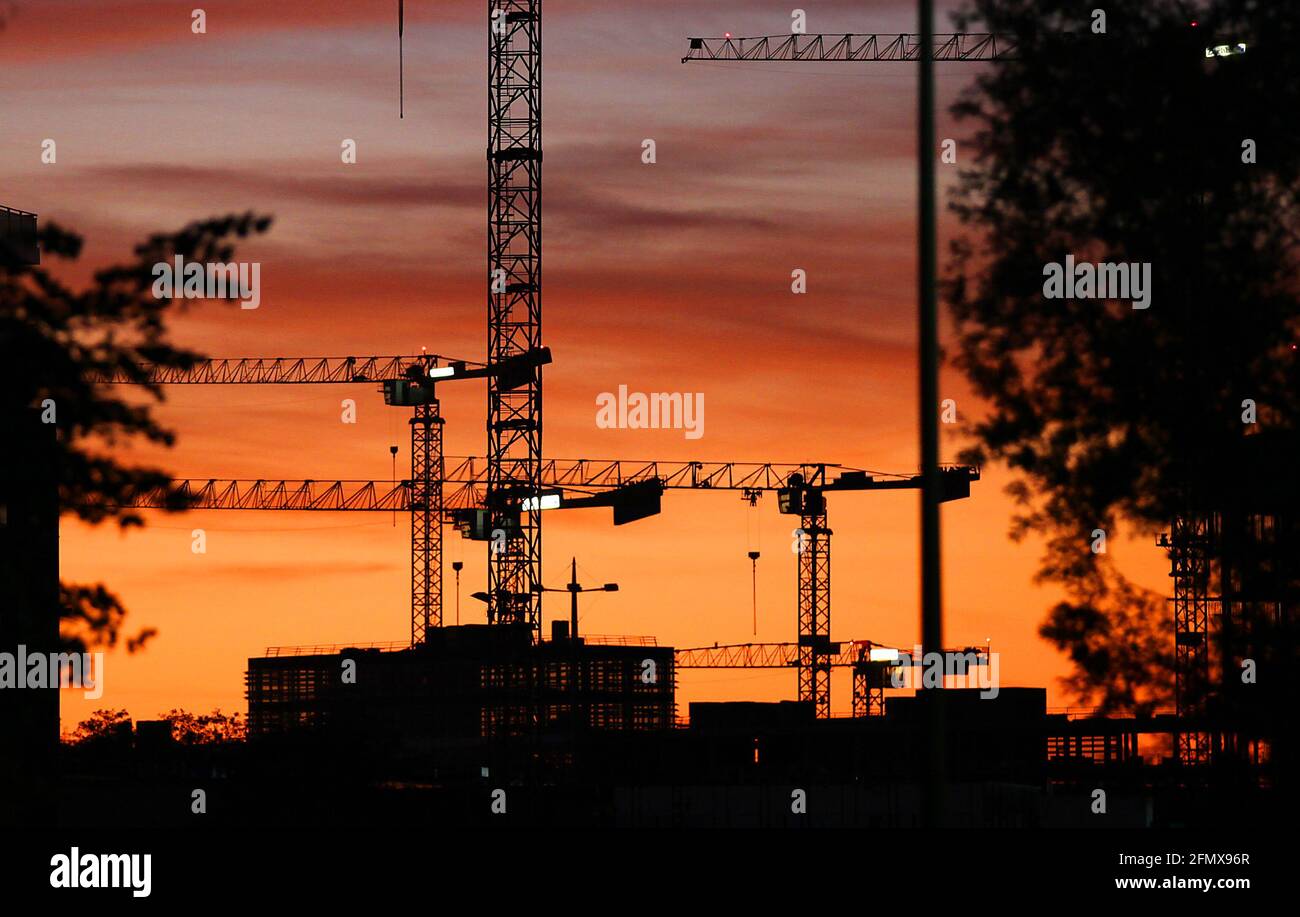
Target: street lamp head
[{"x": 611, "y": 587}]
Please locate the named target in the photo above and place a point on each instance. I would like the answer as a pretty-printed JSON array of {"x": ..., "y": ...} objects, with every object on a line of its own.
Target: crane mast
[
  {"x": 814, "y": 586},
  {"x": 514, "y": 423},
  {"x": 426, "y": 520}
]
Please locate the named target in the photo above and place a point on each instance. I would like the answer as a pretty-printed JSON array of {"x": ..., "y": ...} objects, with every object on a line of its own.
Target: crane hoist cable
[{"x": 401, "y": 70}]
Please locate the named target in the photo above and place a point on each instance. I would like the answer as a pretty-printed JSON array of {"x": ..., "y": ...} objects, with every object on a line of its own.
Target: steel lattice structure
[
  {"x": 275, "y": 370},
  {"x": 470, "y": 474},
  {"x": 514, "y": 155},
  {"x": 953, "y": 46},
  {"x": 765, "y": 655},
  {"x": 691, "y": 475},
  {"x": 815, "y": 605},
  {"x": 291, "y": 496},
  {"x": 1190, "y": 543},
  {"x": 604, "y": 474},
  {"x": 426, "y": 520},
  {"x": 869, "y": 688}
]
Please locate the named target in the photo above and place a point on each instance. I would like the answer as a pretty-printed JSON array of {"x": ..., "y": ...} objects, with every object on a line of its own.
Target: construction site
[{"x": 586, "y": 729}]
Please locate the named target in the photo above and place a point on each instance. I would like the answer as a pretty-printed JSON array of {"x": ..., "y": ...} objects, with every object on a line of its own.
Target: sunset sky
[{"x": 666, "y": 277}]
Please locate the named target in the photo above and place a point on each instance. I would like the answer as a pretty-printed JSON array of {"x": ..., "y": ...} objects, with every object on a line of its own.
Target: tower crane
[
  {"x": 634, "y": 490},
  {"x": 872, "y": 664},
  {"x": 514, "y": 423},
  {"x": 407, "y": 381},
  {"x": 514, "y": 304},
  {"x": 925, "y": 48}
]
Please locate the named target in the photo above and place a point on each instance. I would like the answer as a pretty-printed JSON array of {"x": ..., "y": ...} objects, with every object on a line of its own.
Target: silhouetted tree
[
  {"x": 206, "y": 728},
  {"x": 52, "y": 336},
  {"x": 103, "y": 725},
  {"x": 1127, "y": 145}
]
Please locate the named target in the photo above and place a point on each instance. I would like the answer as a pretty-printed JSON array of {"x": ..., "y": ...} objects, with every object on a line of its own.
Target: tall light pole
[
  {"x": 928, "y": 343},
  {"x": 574, "y": 589},
  {"x": 457, "y": 566}
]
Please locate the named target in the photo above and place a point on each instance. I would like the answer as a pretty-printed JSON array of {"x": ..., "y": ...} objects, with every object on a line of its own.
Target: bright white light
[
  {"x": 441, "y": 372},
  {"x": 547, "y": 501},
  {"x": 1226, "y": 50},
  {"x": 883, "y": 654}
]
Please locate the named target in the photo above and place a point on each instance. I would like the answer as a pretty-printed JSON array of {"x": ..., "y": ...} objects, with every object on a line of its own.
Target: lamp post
[
  {"x": 574, "y": 589},
  {"x": 457, "y": 566}
]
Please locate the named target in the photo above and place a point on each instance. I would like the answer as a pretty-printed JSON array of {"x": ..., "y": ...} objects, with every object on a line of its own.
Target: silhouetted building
[
  {"x": 29, "y": 585},
  {"x": 18, "y": 237},
  {"x": 464, "y": 683}
]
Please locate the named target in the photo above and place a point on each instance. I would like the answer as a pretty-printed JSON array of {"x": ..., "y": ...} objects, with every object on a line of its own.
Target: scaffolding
[
  {"x": 465, "y": 682},
  {"x": 1236, "y": 594},
  {"x": 1191, "y": 546}
]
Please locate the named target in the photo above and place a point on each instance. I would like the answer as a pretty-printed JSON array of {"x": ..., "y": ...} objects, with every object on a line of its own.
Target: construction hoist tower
[
  {"x": 1191, "y": 544},
  {"x": 514, "y": 423}
]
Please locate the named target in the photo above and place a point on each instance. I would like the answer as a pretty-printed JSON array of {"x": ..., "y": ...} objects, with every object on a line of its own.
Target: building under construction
[
  {"x": 1236, "y": 607},
  {"x": 470, "y": 682}
]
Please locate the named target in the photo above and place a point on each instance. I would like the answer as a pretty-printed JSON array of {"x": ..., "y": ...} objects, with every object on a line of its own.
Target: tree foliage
[
  {"x": 55, "y": 338},
  {"x": 1128, "y": 146},
  {"x": 215, "y": 728},
  {"x": 206, "y": 728},
  {"x": 102, "y": 725}
]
